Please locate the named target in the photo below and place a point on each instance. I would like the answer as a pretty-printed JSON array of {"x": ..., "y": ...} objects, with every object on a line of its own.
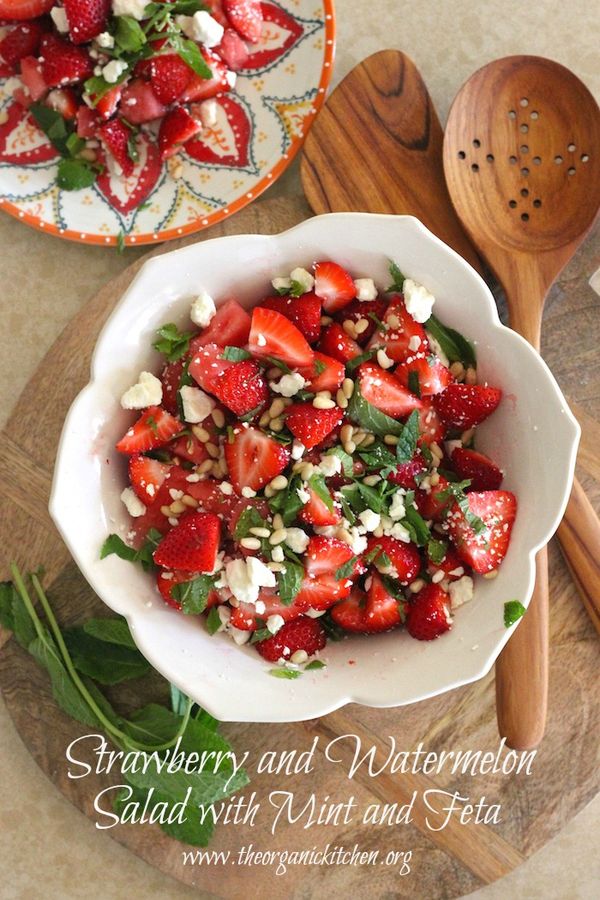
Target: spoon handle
[{"x": 579, "y": 535}]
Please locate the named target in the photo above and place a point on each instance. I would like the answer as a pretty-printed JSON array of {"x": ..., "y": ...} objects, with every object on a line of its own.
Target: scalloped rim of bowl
[{"x": 240, "y": 690}]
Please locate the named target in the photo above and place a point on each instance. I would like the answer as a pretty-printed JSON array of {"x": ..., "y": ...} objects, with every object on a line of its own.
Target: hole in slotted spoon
[
  {"x": 490, "y": 157},
  {"x": 525, "y": 217},
  {"x": 524, "y": 171},
  {"x": 571, "y": 148},
  {"x": 558, "y": 160},
  {"x": 512, "y": 160},
  {"x": 537, "y": 160},
  {"x": 535, "y": 114},
  {"x": 524, "y": 148},
  {"x": 476, "y": 143},
  {"x": 524, "y": 101},
  {"x": 584, "y": 157},
  {"x": 571, "y": 170},
  {"x": 524, "y": 192},
  {"x": 475, "y": 167},
  {"x": 461, "y": 154},
  {"x": 512, "y": 114},
  {"x": 537, "y": 203},
  {"x": 524, "y": 128},
  {"x": 512, "y": 203}
]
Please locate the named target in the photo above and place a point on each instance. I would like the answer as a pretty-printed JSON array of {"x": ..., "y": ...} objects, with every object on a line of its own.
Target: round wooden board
[{"x": 447, "y": 863}]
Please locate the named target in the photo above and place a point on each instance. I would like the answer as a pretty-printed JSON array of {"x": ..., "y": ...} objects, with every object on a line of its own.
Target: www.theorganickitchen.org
[{"x": 336, "y": 855}]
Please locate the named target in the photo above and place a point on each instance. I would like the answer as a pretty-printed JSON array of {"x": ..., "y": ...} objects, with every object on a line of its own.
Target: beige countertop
[{"x": 48, "y": 848}]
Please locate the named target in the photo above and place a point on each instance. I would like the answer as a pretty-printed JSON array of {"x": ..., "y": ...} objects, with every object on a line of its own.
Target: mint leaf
[
  {"x": 289, "y": 582},
  {"x": 379, "y": 457},
  {"x": 436, "y": 551},
  {"x": 113, "y": 631},
  {"x": 363, "y": 357},
  {"x": 456, "y": 347},
  {"x": 333, "y": 631},
  {"x": 346, "y": 570},
  {"x": 75, "y": 174},
  {"x": 105, "y": 662},
  {"x": 318, "y": 485},
  {"x": 172, "y": 342},
  {"x": 14, "y": 616},
  {"x": 115, "y": 544},
  {"x": 250, "y": 518},
  {"x": 414, "y": 385},
  {"x": 273, "y": 361},
  {"x": 189, "y": 52},
  {"x": 290, "y": 674},
  {"x": 129, "y": 35},
  {"x": 193, "y": 595},
  {"x": 416, "y": 526},
  {"x": 407, "y": 441},
  {"x": 513, "y": 611},
  {"x": 369, "y": 417},
  {"x": 287, "y": 503},
  {"x": 315, "y": 664},
  {"x": 53, "y": 125},
  {"x": 213, "y": 621},
  {"x": 397, "y": 278},
  {"x": 345, "y": 459},
  {"x": 261, "y": 634},
  {"x": 235, "y": 354},
  {"x": 319, "y": 366}
]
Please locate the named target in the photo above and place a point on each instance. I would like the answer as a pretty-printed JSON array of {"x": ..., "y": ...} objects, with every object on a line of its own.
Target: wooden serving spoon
[{"x": 522, "y": 165}]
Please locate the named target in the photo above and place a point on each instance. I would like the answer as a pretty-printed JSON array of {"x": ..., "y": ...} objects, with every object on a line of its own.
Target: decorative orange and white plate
[{"x": 259, "y": 129}]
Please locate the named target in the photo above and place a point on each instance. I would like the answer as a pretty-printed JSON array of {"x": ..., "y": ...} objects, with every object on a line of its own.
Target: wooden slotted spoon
[{"x": 522, "y": 165}]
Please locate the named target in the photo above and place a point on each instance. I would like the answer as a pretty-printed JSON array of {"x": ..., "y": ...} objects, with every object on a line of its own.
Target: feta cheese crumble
[
  {"x": 197, "y": 405},
  {"x": 281, "y": 284},
  {"x": 365, "y": 289},
  {"x": 201, "y": 27},
  {"x": 208, "y": 113},
  {"x": 303, "y": 278},
  {"x": 59, "y": 17},
  {"x": 203, "y": 309},
  {"x": 418, "y": 300},
  {"x": 245, "y": 578},
  {"x": 330, "y": 465},
  {"x": 275, "y": 623},
  {"x": 133, "y": 504},
  {"x": 133, "y": 8},
  {"x": 288, "y": 385},
  {"x": 147, "y": 392},
  {"x": 297, "y": 540},
  {"x": 371, "y": 520},
  {"x": 113, "y": 70},
  {"x": 104, "y": 40},
  {"x": 461, "y": 591},
  {"x": 397, "y": 510}
]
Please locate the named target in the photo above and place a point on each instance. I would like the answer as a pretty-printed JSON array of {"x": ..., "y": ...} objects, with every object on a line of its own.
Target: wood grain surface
[{"x": 445, "y": 864}]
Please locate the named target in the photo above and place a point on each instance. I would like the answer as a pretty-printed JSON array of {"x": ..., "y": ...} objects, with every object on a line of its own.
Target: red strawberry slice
[
  {"x": 63, "y": 101},
  {"x": 127, "y": 195},
  {"x": 271, "y": 334},
  {"x": 384, "y": 391},
  {"x": 115, "y": 137},
  {"x": 87, "y": 122},
  {"x": 190, "y": 448},
  {"x": 325, "y": 373},
  {"x": 431, "y": 425},
  {"x": 22, "y": 40},
  {"x": 215, "y": 7},
  {"x": 311, "y": 425},
  {"x": 203, "y": 88},
  {"x": 429, "y": 614},
  {"x": 229, "y": 327},
  {"x": 169, "y": 76},
  {"x": 63, "y": 63},
  {"x": 107, "y": 104},
  {"x": 466, "y": 405},
  {"x": 423, "y": 375},
  {"x": 208, "y": 366},
  {"x": 405, "y": 472},
  {"x": 154, "y": 428},
  {"x": 139, "y": 103},
  {"x": 336, "y": 343},
  {"x": 86, "y": 18},
  {"x": 239, "y": 506},
  {"x": 171, "y": 379},
  {"x": 321, "y": 586},
  {"x": 485, "y": 551},
  {"x": 402, "y": 336},
  {"x": 434, "y": 503},
  {"x": 24, "y": 9},
  {"x": 32, "y": 77},
  {"x": 451, "y": 565},
  {"x": 371, "y": 310},
  {"x": 146, "y": 476},
  {"x": 247, "y": 618},
  {"x": 232, "y": 50},
  {"x": 301, "y": 634},
  {"x": 210, "y": 497},
  {"x": 246, "y": 17},
  {"x": 242, "y": 388},
  {"x": 304, "y": 312},
  {"x": 154, "y": 518},
  {"x": 192, "y": 545},
  {"x": 166, "y": 580},
  {"x": 483, "y": 474},
  {"x": 369, "y": 613},
  {"x": 333, "y": 285},
  {"x": 254, "y": 459},
  {"x": 317, "y": 512},
  {"x": 405, "y": 558},
  {"x": 176, "y": 128}
]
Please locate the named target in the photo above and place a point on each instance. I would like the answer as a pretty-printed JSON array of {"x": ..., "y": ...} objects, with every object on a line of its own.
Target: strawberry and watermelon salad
[
  {"x": 306, "y": 470},
  {"x": 99, "y": 77}
]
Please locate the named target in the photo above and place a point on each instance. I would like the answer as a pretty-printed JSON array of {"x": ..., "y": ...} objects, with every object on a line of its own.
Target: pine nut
[
  {"x": 177, "y": 507},
  {"x": 233, "y": 601},
  {"x": 346, "y": 433},
  {"x": 260, "y": 532},
  {"x": 371, "y": 480},
  {"x": 383, "y": 359},
  {"x": 492, "y": 574},
  {"x": 276, "y": 408},
  {"x": 189, "y": 501},
  {"x": 434, "y": 479},
  {"x": 378, "y": 532},
  {"x": 206, "y": 466},
  {"x": 276, "y": 566},
  {"x": 279, "y": 483},
  {"x": 467, "y": 436},
  {"x": 368, "y": 440},
  {"x": 276, "y": 424},
  {"x": 250, "y": 543},
  {"x": 471, "y": 376},
  {"x": 166, "y": 511},
  {"x": 201, "y": 433},
  {"x": 323, "y": 403},
  {"x": 438, "y": 576},
  {"x": 307, "y": 470},
  {"x": 213, "y": 450},
  {"x": 218, "y": 417},
  {"x": 277, "y": 522},
  {"x": 417, "y": 585},
  {"x": 457, "y": 369},
  {"x": 326, "y": 320},
  {"x": 343, "y": 534},
  {"x": 349, "y": 327},
  {"x": 393, "y": 322},
  {"x": 349, "y": 447},
  {"x": 361, "y": 326},
  {"x": 299, "y": 657},
  {"x": 341, "y": 399},
  {"x": 269, "y": 492},
  {"x": 390, "y": 439},
  {"x": 325, "y": 394},
  {"x": 348, "y": 387},
  {"x": 278, "y": 536},
  {"x": 264, "y": 419}
]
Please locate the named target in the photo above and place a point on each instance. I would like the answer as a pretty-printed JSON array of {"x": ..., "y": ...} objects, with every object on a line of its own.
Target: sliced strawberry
[
  {"x": 154, "y": 518},
  {"x": 64, "y": 101},
  {"x": 333, "y": 285},
  {"x": 301, "y": 634},
  {"x": 87, "y": 122},
  {"x": 229, "y": 327},
  {"x": 429, "y": 614},
  {"x": 203, "y": 88},
  {"x": 317, "y": 512},
  {"x": 239, "y": 506},
  {"x": 232, "y": 50},
  {"x": 207, "y": 366},
  {"x": 311, "y": 425},
  {"x": 24, "y": 9},
  {"x": 402, "y": 336},
  {"x": 246, "y": 17},
  {"x": 171, "y": 379},
  {"x": 86, "y": 18},
  {"x": 176, "y": 128},
  {"x": 63, "y": 63},
  {"x": 169, "y": 77},
  {"x": 405, "y": 472},
  {"x": 154, "y": 428},
  {"x": 485, "y": 551},
  {"x": 139, "y": 103},
  {"x": 431, "y": 425},
  {"x": 246, "y": 618},
  {"x": 336, "y": 343},
  {"x": 108, "y": 103},
  {"x": 321, "y": 586},
  {"x": 192, "y": 545},
  {"x": 33, "y": 78},
  {"x": 466, "y": 405},
  {"x": 423, "y": 375},
  {"x": 146, "y": 476},
  {"x": 166, "y": 580},
  {"x": 404, "y": 558},
  {"x": 22, "y": 40},
  {"x": 254, "y": 459},
  {"x": 272, "y": 335},
  {"x": 324, "y": 374},
  {"x": 188, "y": 447},
  {"x": 349, "y": 613},
  {"x": 384, "y": 391},
  {"x": 483, "y": 474},
  {"x": 451, "y": 565},
  {"x": 115, "y": 137},
  {"x": 434, "y": 503},
  {"x": 369, "y": 613},
  {"x": 20, "y": 94},
  {"x": 215, "y": 7},
  {"x": 304, "y": 312},
  {"x": 371, "y": 310},
  {"x": 242, "y": 388},
  {"x": 210, "y": 497}
]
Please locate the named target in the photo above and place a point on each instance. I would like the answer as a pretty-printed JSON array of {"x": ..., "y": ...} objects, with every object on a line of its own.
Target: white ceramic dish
[{"x": 384, "y": 671}]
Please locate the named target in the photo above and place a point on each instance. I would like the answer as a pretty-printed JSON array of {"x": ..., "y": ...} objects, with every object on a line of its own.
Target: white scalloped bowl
[{"x": 387, "y": 670}]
